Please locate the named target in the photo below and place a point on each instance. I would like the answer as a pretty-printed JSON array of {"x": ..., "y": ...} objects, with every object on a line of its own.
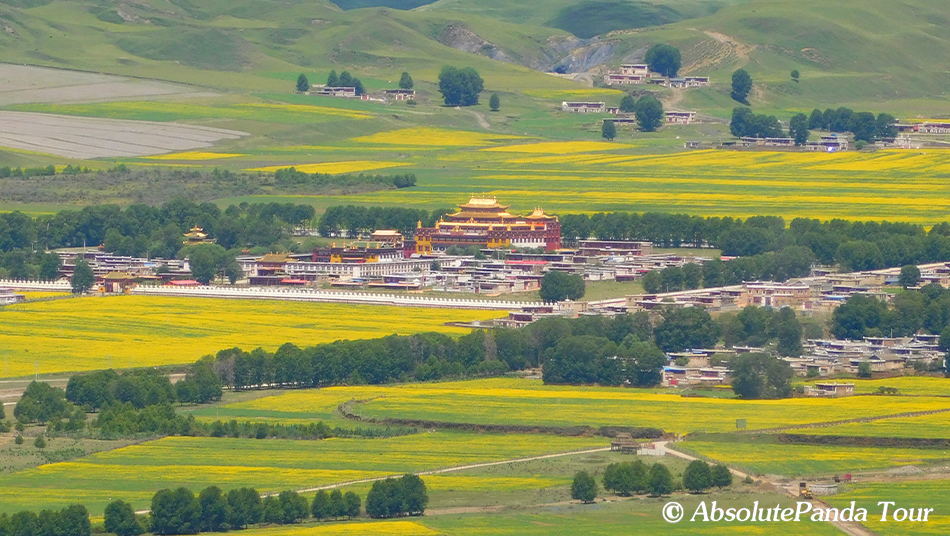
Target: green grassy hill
[{"x": 873, "y": 54}]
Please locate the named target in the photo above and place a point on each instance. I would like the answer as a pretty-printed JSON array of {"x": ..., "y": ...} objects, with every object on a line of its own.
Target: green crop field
[
  {"x": 135, "y": 331},
  {"x": 529, "y": 402},
  {"x": 928, "y": 426},
  {"x": 135, "y": 473},
  {"x": 769, "y": 457}
]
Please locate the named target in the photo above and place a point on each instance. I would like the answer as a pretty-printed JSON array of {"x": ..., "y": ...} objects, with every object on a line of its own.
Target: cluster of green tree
[
  {"x": 397, "y": 497},
  {"x": 47, "y": 171},
  {"x": 634, "y": 478},
  {"x": 647, "y": 109},
  {"x": 855, "y": 245},
  {"x": 290, "y": 176},
  {"x": 45, "y": 404},
  {"x": 345, "y": 80},
  {"x": 559, "y": 286},
  {"x": 143, "y": 387},
  {"x": 793, "y": 261},
  {"x": 155, "y": 231},
  {"x": 758, "y": 326},
  {"x": 589, "y": 359},
  {"x": 864, "y": 125},
  {"x": 924, "y": 310},
  {"x": 358, "y": 220},
  {"x": 664, "y": 59},
  {"x": 746, "y": 124},
  {"x": 28, "y": 264},
  {"x": 70, "y": 521},
  {"x": 460, "y": 87},
  {"x": 758, "y": 376}
]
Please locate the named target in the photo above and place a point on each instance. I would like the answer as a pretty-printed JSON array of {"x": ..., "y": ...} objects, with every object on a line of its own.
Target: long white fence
[
  {"x": 296, "y": 294},
  {"x": 18, "y": 284}
]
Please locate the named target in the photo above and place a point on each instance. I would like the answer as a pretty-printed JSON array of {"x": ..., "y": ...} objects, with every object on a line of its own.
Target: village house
[
  {"x": 400, "y": 94},
  {"x": 680, "y": 118},
  {"x": 777, "y": 295},
  {"x": 696, "y": 81},
  {"x": 830, "y": 390},
  {"x": 619, "y": 79},
  {"x": 933, "y": 128},
  {"x": 324, "y": 91},
  {"x": 583, "y": 107}
]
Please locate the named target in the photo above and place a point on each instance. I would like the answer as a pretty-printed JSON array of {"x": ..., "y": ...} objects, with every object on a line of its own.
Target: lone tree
[
  {"x": 608, "y": 131},
  {"x": 83, "y": 278},
  {"x": 741, "y": 85},
  {"x": 494, "y": 102},
  {"x": 302, "y": 83},
  {"x": 559, "y": 286},
  {"x": 664, "y": 59},
  {"x": 864, "y": 369},
  {"x": 795, "y": 75},
  {"x": 697, "y": 477},
  {"x": 720, "y": 476},
  {"x": 798, "y": 129},
  {"x": 405, "y": 81},
  {"x": 584, "y": 487},
  {"x": 660, "y": 481},
  {"x": 460, "y": 87},
  {"x": 910, "y": 276},
  {"x": 333, "y": 80},
  {"x": 649, "y": 112}
]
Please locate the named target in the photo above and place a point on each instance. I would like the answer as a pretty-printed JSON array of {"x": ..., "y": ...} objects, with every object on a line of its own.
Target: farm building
[
  {"x": 934, "y": 128},
  {"x": 583, "y": 107},
  {"x": 696, "y": 81},
  {"x": 8, "y": 297},
  {"x": 680, "y": 118},
  {"x": 483, "y": 222},
  {"x": 830, "y": 143},
  {"x": 399, "y": 94},
  {"x": 334, "y": 91},
  {"x": 830, "y": 389},
  {"x": 618, "y": 79}
]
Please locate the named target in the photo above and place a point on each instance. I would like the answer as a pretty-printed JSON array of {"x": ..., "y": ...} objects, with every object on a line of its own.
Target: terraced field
[
  {"x": 529, "y": 402},
  {"x": 129, "y": 331},
  {"x": 136, "y": 472}
]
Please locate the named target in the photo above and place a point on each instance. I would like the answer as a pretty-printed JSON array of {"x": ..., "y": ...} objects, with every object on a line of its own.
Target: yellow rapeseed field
[
  {"x": 194, "y": 155},
  {"x": 124, "y": 331},
  {"x": 935, "y": 426},
  {"x": 373, "y": 528},
  {"x": 906, "y": 385},
  {"x": 433, "y": 137},
  {"x": 332, "y": 168},
  {"x": 560, "y": 147},
  {"x": 529, "y": 402}
]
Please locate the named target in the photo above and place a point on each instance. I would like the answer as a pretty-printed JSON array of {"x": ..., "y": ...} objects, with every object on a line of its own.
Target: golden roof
[
  {"x": 118, "y": 276},
  {"x": 196, "y": 232}
]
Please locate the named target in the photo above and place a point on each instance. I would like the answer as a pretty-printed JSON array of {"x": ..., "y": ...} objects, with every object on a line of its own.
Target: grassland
[
  {"x": 134, "y": 331},
  {"x": 769, "y": 457},
  {"x": 136, "y": 472},
  {"x": 914, "y": 494},
  {"x": 373, "y": 528},
  {"x": 529, "y": 402}
]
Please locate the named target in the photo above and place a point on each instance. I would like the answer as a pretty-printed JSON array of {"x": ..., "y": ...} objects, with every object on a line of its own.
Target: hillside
[{"x": 863, "y": 54}]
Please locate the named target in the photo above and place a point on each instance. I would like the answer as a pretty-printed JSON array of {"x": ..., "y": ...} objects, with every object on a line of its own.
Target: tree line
[
  {"x": 864, "y": 125},
  {"x": 357, "y": 220},
  {"x": 180, "y": 511},
  {"x": 70, "y": 521}
]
